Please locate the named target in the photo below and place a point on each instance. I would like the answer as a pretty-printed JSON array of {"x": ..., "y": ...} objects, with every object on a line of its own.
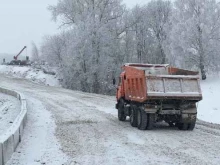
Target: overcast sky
[{"x": 24, "y": 21}]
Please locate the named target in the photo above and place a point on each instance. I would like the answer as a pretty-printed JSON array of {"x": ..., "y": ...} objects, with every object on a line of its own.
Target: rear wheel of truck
[
  {"x": 121, "y": 113},
  {"x": 151, "y": 120},
  {"x": 142, "y": 121},
  {"x": 133, "y": 116},
  {"x": 192, "y": 125},
  {"x": 182, "y": 126},
  {"x": 187, "y": 126}
]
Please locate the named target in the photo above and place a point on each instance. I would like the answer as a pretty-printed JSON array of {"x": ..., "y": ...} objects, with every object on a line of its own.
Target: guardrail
[{"x": 12, "y": 137}]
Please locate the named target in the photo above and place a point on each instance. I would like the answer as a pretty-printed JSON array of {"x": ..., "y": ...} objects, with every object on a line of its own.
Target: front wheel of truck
[{"x": 121, "y": 113}]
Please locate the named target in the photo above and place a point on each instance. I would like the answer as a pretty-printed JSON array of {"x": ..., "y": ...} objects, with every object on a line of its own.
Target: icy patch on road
[
  {"x": 209, "y": 107},
  {"x": 9, "y": 110},
  {"x": 35, "y": 75}
]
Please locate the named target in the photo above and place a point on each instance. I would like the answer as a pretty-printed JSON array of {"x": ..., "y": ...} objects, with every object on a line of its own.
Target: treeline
[{"x": 99, "y": 36}]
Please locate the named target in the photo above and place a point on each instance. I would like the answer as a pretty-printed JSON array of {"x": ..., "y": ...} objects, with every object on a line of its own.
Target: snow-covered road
[{"x": 85, "y": 127}]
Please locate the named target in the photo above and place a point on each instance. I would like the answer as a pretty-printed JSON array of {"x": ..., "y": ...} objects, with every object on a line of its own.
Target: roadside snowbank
[
  {"x": 209, "y": 107},
  {"x": 39, "y": 145},
  {"x": 9, "y": 109},
  {"x": 35, "y": 75}
]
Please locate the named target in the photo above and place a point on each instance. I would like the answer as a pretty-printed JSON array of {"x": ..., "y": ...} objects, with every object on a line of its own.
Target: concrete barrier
[
  {"x": 10, "y": 140},
  {"x": 1, "y": 155}
]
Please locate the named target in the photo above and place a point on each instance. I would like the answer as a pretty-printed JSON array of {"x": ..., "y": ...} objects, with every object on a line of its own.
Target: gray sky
[{"x": 24, "y": 21}]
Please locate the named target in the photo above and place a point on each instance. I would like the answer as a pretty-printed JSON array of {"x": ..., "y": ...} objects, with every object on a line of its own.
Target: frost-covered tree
[
  {"x": 52, "y": 48},
  {"x": 34, "y": 52},
  {"x": 97, "y": 40},
  {"x": 99, "y": 36},
  {"x": 159, "y": 20},
  {"x": 150, "y": 31},
  {"x": 195, "y": 34}
]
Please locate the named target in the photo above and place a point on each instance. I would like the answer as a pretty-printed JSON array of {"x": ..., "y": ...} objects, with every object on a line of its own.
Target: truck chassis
[{"x": 144, "y": 116}]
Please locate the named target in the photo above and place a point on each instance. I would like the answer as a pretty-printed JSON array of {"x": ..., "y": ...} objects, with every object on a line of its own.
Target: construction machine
[{"x": 19, "y": 62}]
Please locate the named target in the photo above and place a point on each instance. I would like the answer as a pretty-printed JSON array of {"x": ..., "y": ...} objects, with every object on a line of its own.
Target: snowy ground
[
  {"x": 209, "y": 107},
  {"x": 35, "y": 75},
  {"x": 69, "y": 127},
  {"x": 9, "y": 109}
]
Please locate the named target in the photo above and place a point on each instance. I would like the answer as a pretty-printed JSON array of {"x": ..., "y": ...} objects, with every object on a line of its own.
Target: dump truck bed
[
  {"x": 173, "y": 87},
  {"x": 153, "y": 82}
]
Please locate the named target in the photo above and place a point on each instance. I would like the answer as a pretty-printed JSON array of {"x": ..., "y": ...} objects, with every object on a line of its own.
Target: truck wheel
[
  {"x": 141, "y": 119},
  {"x": 187, "y": 126},
  {"x": 183, "y": 126},
  {"x": 121, "y": 114},
  {"x": 151, "y": 120},
  {"x": 133, "y": 116},
  {"x": 191, "y": 125}
]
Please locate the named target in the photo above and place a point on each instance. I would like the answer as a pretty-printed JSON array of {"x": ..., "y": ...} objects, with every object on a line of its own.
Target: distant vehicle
[
  {"x": 150, "y": 93},
  {"x": 19, "y": 62},
  {"x": 15, "y": 62}
]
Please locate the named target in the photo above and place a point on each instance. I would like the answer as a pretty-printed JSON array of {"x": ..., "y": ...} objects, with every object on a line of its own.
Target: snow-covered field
[
  {"x": 35, "y": 75},
  {"x": 9, "y": 109}
]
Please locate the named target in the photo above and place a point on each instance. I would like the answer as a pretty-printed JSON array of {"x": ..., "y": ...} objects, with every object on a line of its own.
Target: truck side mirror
[{"x": 113, "y": 81}]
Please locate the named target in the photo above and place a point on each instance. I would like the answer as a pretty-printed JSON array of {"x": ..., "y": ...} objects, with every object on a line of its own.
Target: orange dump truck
[{"x": 149, "y": 93}]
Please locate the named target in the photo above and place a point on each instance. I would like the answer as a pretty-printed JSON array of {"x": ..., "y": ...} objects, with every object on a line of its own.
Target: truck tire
[
  {"x": 121, "y": 114},
  {"x": 187, "y": 126},
  {"x": 151, "y": 120},
  {"x": 133, "y": 116},
  {"x": 142, "y": 121},
  {"x": 191, "y": 125},
  {"x": 182, "y": 126}
]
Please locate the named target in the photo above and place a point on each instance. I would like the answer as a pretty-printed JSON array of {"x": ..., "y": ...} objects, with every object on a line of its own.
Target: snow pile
[
  {"x": 209, "y": 107},
  {"x": 9, "y": 109},
  {"x": 33, "y": 74}
]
